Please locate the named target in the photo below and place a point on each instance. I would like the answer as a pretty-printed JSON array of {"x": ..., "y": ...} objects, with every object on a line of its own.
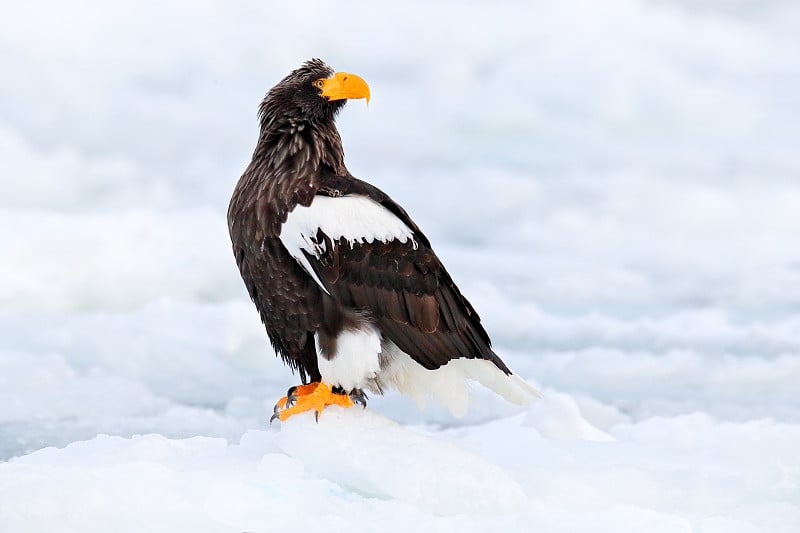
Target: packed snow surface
[{"x": 615, "y": 186}]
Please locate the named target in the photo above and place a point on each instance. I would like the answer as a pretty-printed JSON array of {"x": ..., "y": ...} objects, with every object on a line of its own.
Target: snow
[
  {"x": 643, "y": 273},
  {"x": 356, "y": 469}
]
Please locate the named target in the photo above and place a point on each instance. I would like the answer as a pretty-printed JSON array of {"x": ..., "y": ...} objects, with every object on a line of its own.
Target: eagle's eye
[{"x": 319, "y": 84}]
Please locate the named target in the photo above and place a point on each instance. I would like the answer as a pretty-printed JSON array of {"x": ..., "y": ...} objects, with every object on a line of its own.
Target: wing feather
[{"x": 376, "y": 260}]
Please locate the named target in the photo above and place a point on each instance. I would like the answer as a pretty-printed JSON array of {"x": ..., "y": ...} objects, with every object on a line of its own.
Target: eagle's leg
[{"x": 314, "y": 396}]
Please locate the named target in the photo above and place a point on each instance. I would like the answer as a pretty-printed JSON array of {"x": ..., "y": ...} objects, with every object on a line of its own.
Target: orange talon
[{"x": 314, "y": 396}]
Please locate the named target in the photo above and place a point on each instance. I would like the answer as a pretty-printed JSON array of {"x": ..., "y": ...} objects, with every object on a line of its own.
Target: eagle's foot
[
  {"x": 295, "y": 392},
  {"x": 316, "y": 396}
]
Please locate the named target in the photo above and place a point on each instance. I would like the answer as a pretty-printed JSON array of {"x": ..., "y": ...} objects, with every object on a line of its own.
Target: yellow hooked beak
[{"x": 344, "y": 85}]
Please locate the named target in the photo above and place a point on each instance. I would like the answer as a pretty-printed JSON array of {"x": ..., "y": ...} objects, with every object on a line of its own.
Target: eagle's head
[{"x": 312, "y": 93}]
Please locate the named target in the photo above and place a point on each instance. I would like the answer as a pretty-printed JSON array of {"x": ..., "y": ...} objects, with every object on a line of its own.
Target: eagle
[{"x": 347, "y": 285}]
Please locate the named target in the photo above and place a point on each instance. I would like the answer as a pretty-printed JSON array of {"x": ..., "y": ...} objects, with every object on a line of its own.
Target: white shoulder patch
[{"x": 356, "y": 218}]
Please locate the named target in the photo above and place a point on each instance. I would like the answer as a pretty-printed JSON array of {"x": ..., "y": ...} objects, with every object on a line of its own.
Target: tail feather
[
  {"x": 510, "y": 386},
  {"x": 449, "y": 384}
]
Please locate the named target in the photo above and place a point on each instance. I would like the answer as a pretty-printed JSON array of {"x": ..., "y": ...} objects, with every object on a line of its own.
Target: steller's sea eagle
[{"x": 348, "y": 287}]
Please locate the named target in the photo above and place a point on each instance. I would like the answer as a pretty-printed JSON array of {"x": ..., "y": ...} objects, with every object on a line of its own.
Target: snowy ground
[{"x": 615, "y": 185}]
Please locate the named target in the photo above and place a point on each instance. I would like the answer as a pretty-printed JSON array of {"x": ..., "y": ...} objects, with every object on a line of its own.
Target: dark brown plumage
[{"x": 384, "y": 283}]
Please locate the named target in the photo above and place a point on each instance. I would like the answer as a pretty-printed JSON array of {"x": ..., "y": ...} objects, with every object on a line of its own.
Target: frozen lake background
[{"x": 615, "y": 186}]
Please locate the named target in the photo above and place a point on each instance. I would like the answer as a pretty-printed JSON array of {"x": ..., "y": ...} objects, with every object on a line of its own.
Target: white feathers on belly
[{"x": 356, "y": 360}]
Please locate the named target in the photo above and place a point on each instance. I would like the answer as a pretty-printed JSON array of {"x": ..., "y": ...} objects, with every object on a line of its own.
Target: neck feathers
[
  {"x": 289, "y": 158},
  {"x": 288, "y": 143}
]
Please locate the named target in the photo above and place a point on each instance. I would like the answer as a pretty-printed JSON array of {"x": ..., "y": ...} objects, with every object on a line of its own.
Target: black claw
[
  {"x": 275, "y": 413},
  {"x": 291, "y": 396},
  {"x": 359, "y": 396},
  {"x": 316, "y": 416}
]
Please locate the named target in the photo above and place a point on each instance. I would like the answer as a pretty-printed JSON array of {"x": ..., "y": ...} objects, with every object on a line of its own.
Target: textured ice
[{"x": 615, "y": 186}]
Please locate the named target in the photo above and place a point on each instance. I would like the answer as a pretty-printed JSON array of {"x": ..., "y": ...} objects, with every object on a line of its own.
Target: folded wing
[{"x": 364, "y": 251}]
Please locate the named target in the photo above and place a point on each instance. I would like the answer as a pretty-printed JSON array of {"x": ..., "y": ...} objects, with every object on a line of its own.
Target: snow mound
[
  {"x": 373, "y": 456},
  {"x": 557, "y": 416},
  {"x": 356, "y": 470}
]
